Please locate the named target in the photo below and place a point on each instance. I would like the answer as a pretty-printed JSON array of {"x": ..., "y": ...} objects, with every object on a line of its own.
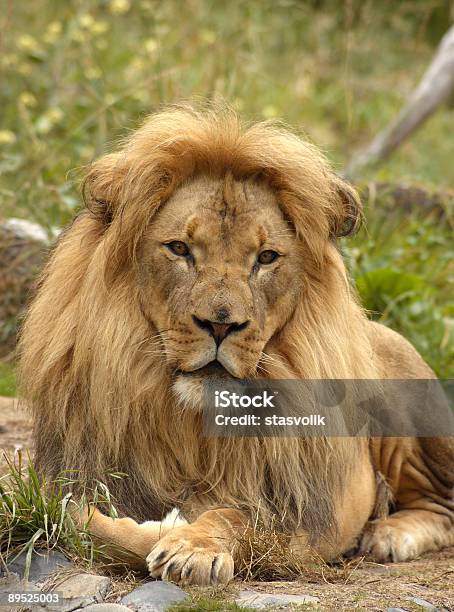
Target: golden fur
[{"x": 99, "y": 370}]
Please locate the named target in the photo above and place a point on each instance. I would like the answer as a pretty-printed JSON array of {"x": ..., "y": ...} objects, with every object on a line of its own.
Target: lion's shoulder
[{"x": 395, "y": 356}]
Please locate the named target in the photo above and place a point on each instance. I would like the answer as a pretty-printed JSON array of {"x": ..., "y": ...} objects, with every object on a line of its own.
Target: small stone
[
  {"x": 41, "y": 565},
  {"x": 154, "y": 596},
  {"x": 422, "y": 602},
  {"x": 259, "y": 600},
  {"x": 81, "y": 590},
  {"x": 395, "y": 610},
  {"x": 106, "y": 607}
]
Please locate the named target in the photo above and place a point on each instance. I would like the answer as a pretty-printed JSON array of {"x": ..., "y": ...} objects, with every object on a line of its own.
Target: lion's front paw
[
  {"x": 186, "y": 556},
  {"x": 386, "y": 541}
]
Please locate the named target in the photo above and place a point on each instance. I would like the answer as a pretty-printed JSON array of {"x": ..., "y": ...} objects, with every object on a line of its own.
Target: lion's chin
[{"x": 191, "y": 387}]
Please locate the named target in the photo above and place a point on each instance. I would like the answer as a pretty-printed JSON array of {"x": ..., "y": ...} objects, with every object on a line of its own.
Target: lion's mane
[{"x": 92, "y": 368}]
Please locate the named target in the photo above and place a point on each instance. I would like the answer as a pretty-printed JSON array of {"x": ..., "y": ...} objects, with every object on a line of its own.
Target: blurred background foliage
[{"x": 77, "y": 75}]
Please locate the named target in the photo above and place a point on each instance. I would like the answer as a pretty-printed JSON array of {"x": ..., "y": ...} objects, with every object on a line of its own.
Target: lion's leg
[
  {"x": 124, "y": 539},
  {"x": 353, "y": 507},
  {"x": 407, "y": 534},
  {"x": 420, "y": 475},
  {"x": 199, "y": 553}
]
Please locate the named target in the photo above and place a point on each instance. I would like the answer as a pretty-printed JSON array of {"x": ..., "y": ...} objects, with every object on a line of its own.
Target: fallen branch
[{"x": 434, "y": 88}]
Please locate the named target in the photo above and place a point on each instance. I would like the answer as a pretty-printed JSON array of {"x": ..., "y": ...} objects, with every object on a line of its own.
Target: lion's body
[{"x": 110, "y": 328}]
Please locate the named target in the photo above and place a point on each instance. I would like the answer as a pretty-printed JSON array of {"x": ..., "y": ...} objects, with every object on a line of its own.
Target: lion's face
[{"x": 219, "y": 274}]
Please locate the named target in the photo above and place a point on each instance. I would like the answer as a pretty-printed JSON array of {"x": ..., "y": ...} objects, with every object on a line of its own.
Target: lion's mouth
[{"x": 211, "y": 369}]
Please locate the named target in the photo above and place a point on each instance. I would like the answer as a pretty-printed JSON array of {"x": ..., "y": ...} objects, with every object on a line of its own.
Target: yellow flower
[
  {"x": 137, "y": 64},
  {"x": 93, "y": 73},
  {"x": 53, "y": 31},
  {"x": 110, "y": 99},
  {"x": 119, "y": 7},
  {"x": 100, "y": 27},
  {"x": 27, "y": 43},
  {"x": 7, "y": 137},
  {"x": 208, "y": 36},
  {"x": 78, "y": 36},
  {"x": 151, "y": 44},
  {"x": 27, "y": 99},
  {"x": 86, "y": 21},
  {"x": 55, "y": 114},
  {"x": 9, "y": 60},
  {"x": 54, "y": 27},
  {"x": 49, "y": 119}
]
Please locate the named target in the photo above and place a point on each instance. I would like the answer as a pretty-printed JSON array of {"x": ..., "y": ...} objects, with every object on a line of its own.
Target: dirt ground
[
  {"x": 377, "y": 587},
  {"x": 368, "y": 586},
  {"x": 15, "y": 429}
]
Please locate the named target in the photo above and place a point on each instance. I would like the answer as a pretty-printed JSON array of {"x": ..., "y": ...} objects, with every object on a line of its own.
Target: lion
[{"x": 210, "y": 246}]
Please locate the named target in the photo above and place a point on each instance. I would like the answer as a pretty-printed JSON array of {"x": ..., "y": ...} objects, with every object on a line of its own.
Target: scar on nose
[
  {"x": 192, "y": 225},
  {"x": 262, "y": 235}
]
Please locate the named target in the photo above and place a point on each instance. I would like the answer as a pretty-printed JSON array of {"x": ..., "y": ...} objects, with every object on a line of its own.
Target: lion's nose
[{"x": 219, "y": 331}]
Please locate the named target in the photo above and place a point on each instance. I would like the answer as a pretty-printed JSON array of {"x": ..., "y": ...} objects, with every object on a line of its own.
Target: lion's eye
[
  {"x": 178, "y": 248},
  {"x": 267, "y": 257}
]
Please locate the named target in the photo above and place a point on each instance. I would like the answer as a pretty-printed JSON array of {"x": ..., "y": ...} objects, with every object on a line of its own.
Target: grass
[
  {"x": 208, "y": 604},
  {"x": 79, "y": 74},
  {"x": 39, "y": 515},
  {"x": 31, "y": 517}
]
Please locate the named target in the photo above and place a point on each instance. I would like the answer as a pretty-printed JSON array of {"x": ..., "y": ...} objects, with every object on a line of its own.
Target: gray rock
[
  {"x": 259, "y": 600},
  {"x": 11, "y": 584},
  {"x": 395, "y": 610},
  {"x": 26, "y": 229},
  {"x": 81, "y": 590},
  {"x": 106, "y": 607},
  {"x": 422, "y": 602},
  {"x": 154, "y": 596},
  {"x": 41, "y": 565}
]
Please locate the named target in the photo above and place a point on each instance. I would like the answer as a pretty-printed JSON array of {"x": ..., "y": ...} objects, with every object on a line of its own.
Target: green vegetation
[
  {"x": 403, "y": 266},
  {"x": 208, "y": 604},
  {"x": 35, "y": 514},
  {"x": 31, "y": 516},
  {"x": 78, "y": 75},
  {"x": 7, "y": 380}
]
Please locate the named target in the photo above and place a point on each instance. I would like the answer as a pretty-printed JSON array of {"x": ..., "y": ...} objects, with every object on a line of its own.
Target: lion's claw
[
  {"x": 385, "y": 541},
  {"x": 190, "y": 559}
]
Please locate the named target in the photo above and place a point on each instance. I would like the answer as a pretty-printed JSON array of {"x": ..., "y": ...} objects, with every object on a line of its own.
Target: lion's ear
[
  {"x": 348, "y": 210},
  {"x": 102, "y": 186}
]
